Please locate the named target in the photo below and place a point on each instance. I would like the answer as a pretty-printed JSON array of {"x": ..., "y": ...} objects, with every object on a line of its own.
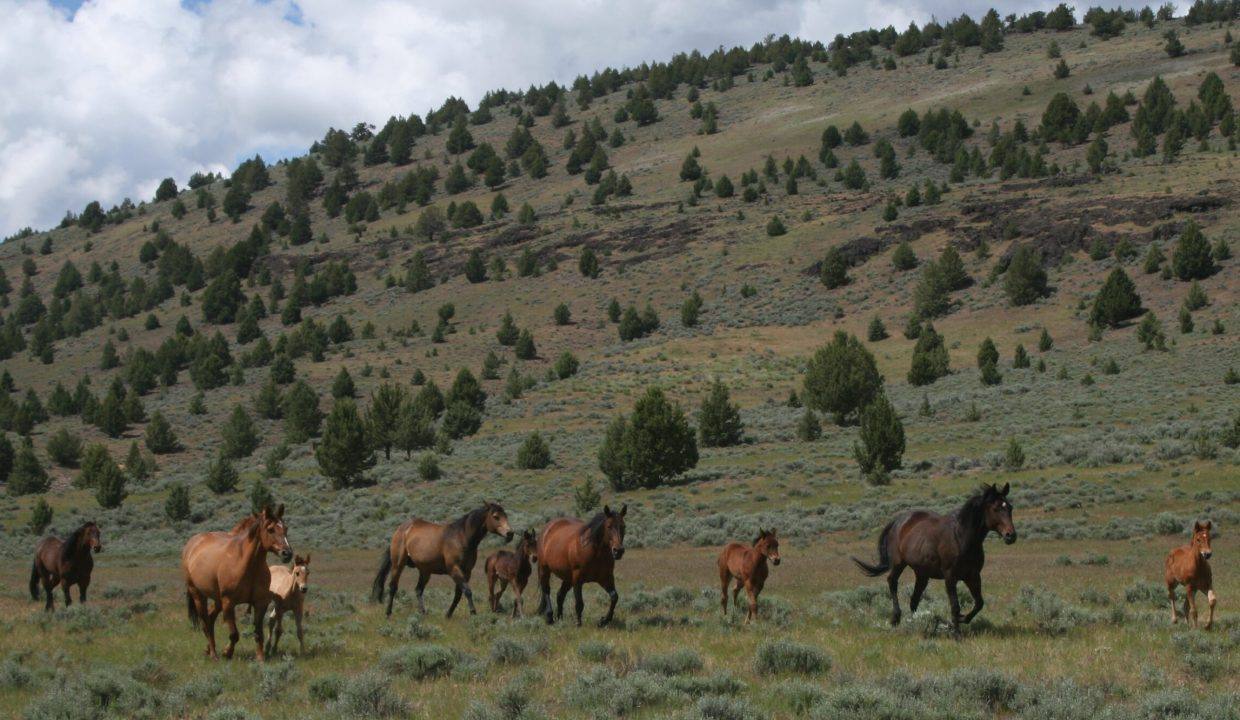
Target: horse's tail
[
  {"x": 884, "y": 555},
  {"x": 34, "y": 580},
  {"x": 385, "y": 566},
  {"x": 192, "y": 609}
]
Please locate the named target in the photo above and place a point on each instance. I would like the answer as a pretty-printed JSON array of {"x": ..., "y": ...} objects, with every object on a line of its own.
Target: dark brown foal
[{"x": 515, "y": 567}]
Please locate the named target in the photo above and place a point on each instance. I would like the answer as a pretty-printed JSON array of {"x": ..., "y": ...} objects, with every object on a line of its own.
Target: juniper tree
[
  {"x": 343, "y": 453},
  {"x": 719, "y": 420},
  {"x": 415, "y": 429},
  {"x": 534, "y": 453},
  {"x": 1192, "y": 258},
  {"x": 1116, "y": 302},
  {"x": 877, "y": 330},
  {"x": 880, "y": 448},
  {"x": 930, "y": 360},
  {"x": 40, "y": 516},
  {"x": 588, "y": 263},
  {"x": 834, "y": 269},
  {"x": 566, "y": 365},
  {"x": 1024, "y": 281},
  {"x": 525, "y": 348},
  {"x": 28, "y": 476},
  {"x": 649, "y": 448},
  {"x": 841, "y": 377},
  {"x": 343, "y": 386},
  {"x": 240, "y": 437},
  {"x": 221, "y": 476},
  {"x": 903, "y": 258},
  {"x": 159, "y": 437},
  {"x": 302, "y": 416}
]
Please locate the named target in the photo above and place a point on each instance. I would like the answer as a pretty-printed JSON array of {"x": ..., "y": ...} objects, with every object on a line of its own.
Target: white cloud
[{"x": 102, "y": 104}]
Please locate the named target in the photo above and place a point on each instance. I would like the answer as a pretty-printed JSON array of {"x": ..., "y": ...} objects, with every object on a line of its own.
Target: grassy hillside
[{"x": 1123, "y": 446}]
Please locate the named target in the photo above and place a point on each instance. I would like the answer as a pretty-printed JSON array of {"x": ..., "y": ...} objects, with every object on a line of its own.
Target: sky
[{"x": 102, "y": 99}]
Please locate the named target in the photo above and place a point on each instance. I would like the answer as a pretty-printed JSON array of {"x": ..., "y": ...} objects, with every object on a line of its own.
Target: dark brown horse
[
  {"x": 1188, "y": 565},
  {"x": 65, "y": 562},
  {"x": 943, "y": 547},
  {"x": 512, "y": 566},
  {"x": 748, "y": 566},
  {"x": 578, "y": 553},
  {"x": 231, "y": 569},
  {"x": 436, "y": 549}
]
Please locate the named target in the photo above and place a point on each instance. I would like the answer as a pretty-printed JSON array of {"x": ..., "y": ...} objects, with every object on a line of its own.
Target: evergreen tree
[
  {"x": 40, "y": 516},
  {"x": 566, "y": 365},
  {"x": 508, "y": 332},
  {"x": 525, "y": 349},
  {"x": 221, "y": 476},
  {"x": 383, "y": 417},
  {"x": 903, "y": 258},
  {"x": 808, "y": 427},
  {"x": 930, "y": 360},
  {"x": 649, "y": 448},
  {"x": 302, "y": 415},
  {"x": 1192, "y": 259},
  {"x": 110, "y": 485},
  {"x": 534, "y": 453},
  {"x": 343, "y": 453},
  {"x": 415, "y": 429},
  {"x": 461, "y": 419},
  {"x": 64, "y": 448},
  {"x": 1116, "y": 302},
  {"x": 834, "y": 269},
  {"x": 1025, "y": 280},
  {"x": 719, "y": 420},
  {"x": 342, "y": 386},
  {"x": 27, "y": 477},
  {"x": 588, "y": 263},
  {"x": 1150, "y": 333},
  {"x": 1045, "y": 342},
  {"x": 6, "y": 457},
  {"x": 841, "y": 378},
  {"x": 475, "y": 267},
  {"x": 240, "y": 437},
  {"x": 881, "y": 446},
  {"x": 877, "y": 330},
  {"x": 159, "y": 437}
]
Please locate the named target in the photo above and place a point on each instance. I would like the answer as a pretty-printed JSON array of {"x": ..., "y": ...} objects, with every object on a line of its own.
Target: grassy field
[{"x": 1118, "y": 464}]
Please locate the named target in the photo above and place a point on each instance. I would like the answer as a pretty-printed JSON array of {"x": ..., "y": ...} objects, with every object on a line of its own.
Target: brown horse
[
  {"x": 288, "y": 593},
  {"x": 514, "y": 567},
  {"x": 578, "y": 553},
  {"x": 1187, "y": 565},
  {"x": 231, "y": 569},
  {"x": 748, "y": 566},
  {"x": 65, "y": 562},
  {"x": 436, "y": 549},
  {"x": 943, "y": 547}
]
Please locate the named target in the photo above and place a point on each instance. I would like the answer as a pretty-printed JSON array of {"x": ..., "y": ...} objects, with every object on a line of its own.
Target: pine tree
[
  {"x": 28, "y": 477},
  {"x": 719, "y": 420},
  {"x": 383, "y": 417},
  {"x": 808, "y": 427},
  {"x": 221, "y": 476},
  {"x": 930, "y": 360},
  {"x": 1045, "y": 342},
  {"x": 64, "y": 448},
  {"x": 586, "y": 498},
  {"x": 834, "y": 269},
  {"x": 903, "y": 258},
  {"x": 40, "y": 516},
  {"x": 475, "y": 267},
  {"x": 302, "y": 415},
  {"x": 881, "y": 446},
  {"x": 343, "y": 453},
  {"x": 1025, "y": 280},
  {"x": 342, "y": 386},
  {"x": 534, "y": 453},
  {"x": 159, "y": 437},
  {"x": 877, "y": 331},
  {"x": 649, "y": 448},
  {"x": 841, "y": 378},
  {"x": 1116, "y": 302},
  {"x": 110, "y": 485},
  {"x": 415, "y": 429},
  {"x": 240, "y": 438},
  {"x": 1192, "y": 259},
  {"x": 588, "y": 263}
]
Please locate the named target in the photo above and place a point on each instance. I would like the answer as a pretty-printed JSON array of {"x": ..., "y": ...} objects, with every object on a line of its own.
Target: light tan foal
[{"x": 288, "y": 592}]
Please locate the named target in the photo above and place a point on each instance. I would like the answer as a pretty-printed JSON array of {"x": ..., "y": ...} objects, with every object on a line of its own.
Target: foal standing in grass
[
  {"x": 512, "y": 566},
  {"x": 748, "y": 566},
  {"x": 1187, "y": 565},
  {"x": 288, "y": 592}
]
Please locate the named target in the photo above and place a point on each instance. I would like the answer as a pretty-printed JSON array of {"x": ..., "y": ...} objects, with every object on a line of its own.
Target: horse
[
  {"x": 943, "y": 547},
  {"x": 436, "y": 549},
  {"x": 288, "y": 592},
  {"x": 65, "y": 562},
  {"x": 578, "y": 553},
  {"x": 748, "y": 566},
  {"x": 231, "y": 569},
  {"x": 514, "y": 567},
  {"x": 1188, "y": 565}
]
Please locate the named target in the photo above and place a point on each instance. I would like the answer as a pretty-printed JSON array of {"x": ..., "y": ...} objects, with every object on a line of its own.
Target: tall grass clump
[
  {"x": 367, "y": 696},
  {"x": 784, "y": 656}
]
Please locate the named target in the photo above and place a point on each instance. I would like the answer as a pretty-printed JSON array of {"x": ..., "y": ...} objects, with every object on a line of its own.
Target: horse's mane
[
  {"x": 593, "y": 531},
  {"x": 464, "y": 520},
  {"x": 69, "y": 547},
  {"x": 244, "y": 525},
  {"x": 970, "y": 514}
]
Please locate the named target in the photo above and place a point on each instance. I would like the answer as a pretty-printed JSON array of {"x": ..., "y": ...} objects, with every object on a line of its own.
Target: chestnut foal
[
  {"x": 748, "y": 566},
  {"x": 1187, "y": 565},
  {"x": 512, "y": 566}
]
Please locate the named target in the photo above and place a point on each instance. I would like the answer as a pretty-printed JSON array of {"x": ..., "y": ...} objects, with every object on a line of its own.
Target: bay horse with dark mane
[
  {"x": 578, "y": 553},
  {"x": 230, "y": 568},
  {"x": 513, "y": 567},
  {"x": 1188, "y": 565},
  {"x": 748, "y": 566},
  {"x": 943, "y": 547},
  {"x": 65, "y": 563},
  {"x": 436, "y": 549}
]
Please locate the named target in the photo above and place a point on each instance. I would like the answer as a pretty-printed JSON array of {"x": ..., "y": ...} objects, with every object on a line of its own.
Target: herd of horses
[{"x": 225, "y": 570}]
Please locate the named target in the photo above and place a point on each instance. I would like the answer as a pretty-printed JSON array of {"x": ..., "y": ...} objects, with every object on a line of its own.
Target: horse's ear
[
  {"x": 307, "y": 560},
  {"x": 1007, "y": 487},
  {"x": 771, "y": 532},
  {"x": 624, "y": 509},
  {"x": 265, "y": 512},
  {"x": 607, "y": 510},
  {"x": 1209, "y": 524},
  {"x": 297, "y": 560},
  {"x": 280, "y": 511},
  {"x": 1197, "y": 526}
]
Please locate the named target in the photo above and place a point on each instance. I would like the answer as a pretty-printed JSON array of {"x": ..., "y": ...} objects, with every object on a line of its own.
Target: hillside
[{"x": 1122, "y": 445}]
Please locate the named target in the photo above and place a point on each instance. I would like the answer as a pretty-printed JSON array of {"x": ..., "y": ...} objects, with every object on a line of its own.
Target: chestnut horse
[
  {"x": 578, "y": 553},
  {"x": 65, "y": 562},
  {"x": 436, "y": 549},
  {"x": 231, "y": 569},
  {"x": 748, "y": 566},
  {"x": 288, "y": 593},
  {"x": 1187, "y": 565},
  {"x": 943, "y": 547},
  {"x": 505, "y": 566}
]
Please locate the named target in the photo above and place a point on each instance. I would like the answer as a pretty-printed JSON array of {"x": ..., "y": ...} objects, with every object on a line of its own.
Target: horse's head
[
  {"x": 768, "y": 545},
  {"x": 272, "y": 534},
  {"x": 92, "y": 537},
  {"x": 1201, "y": 539},
  {"x": 301, "y": 573},
  {"x": 997, "y": 511},
  {"x": 497, "y": 521},
  {"x": 613, "y": 530},
  {"x": 528, "y": 545}
]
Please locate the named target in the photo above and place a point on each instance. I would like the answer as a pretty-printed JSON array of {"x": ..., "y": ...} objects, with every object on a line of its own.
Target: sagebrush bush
[
  {"x": 369, "y": 695},
  {"x": 786, "y": 656},
  {"x": 419, "y": 661},
  {"x": 676, "y": 662}
]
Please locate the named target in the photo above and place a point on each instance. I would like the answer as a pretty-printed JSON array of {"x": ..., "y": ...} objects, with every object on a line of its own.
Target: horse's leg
[
  {"x": 752, "y": 591},
  {"x": 954, "y": 599},
  {"x": 518, "y": 609},
  {"x": 394, "y": 581},
  {"x": 298, "y": 611},
  {"x": 1192, "y": 604},
  {"x": 725, "y": 577},
  {"x": 609, "y": 584},
  {"x": 736, "y": 592},
  {"x": 559, "y": 598},
  {"x": 544, "y": 589},
  {"x": 230, "y": 619},
  {"x": 82, "y": 585},
  {"x": 492, "y": 598},
  {"x": 1210, "y": 599},
  {"x": 274, "y": 620},
  {"x": 579, "y": 603},
  {"x": 456, "y": 598},
  {"x": 1175, "y": 618},
  {"x": 423, "y": 578},
  {"x": 208, "y": 625},
  {"x": 49, "y": 586},
  {"x": 260, "y": 616},
  {"x": 64, "y": 587},
  {"x": 919, "y": 587},
  {"x": 974, "y": 584},
  {"x": 893, "y": 587}
]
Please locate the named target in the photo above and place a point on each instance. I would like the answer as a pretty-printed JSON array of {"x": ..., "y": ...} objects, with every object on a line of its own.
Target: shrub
[
  {"x": 534, "y": 453},
  {"x": 40, "y": 516},
  {"x": 419, "y": 662},
  {"x": 834, "y": 269},
  {"x": 1192, "y": 258},
  {"x": 676, "y": 662},
  {"x": 428, "y": 467},
  {"x": 785, "y": 656},
  {"x": 159, "y": 437},
  {"x": 775, "y": 227},
  {"x": 64, "y": 448},
  {"x": 1025, "y": 280},
  {"x": 719, "y": 420},
  {"x": 221, "y": 476},
  {"x": 176, "y": 506},
  {"x": 649, "y": 448},
  {"x": 881, "y": 445},
  {"x": 841, "y": 377},
  {"x": 808, "y": 427},
  {"x": 367, "y": 696},
  {"x": 566, "y": 365},
  {"x": 1116, "y": 302}
]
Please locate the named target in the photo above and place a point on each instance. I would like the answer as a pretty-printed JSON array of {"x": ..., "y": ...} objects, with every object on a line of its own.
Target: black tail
[
  {"x": 884, "y": 557},
  {"x": 385, "y": 566},
  {"x": 191, "y": 609},
  {"x": 34, "y": 580}
]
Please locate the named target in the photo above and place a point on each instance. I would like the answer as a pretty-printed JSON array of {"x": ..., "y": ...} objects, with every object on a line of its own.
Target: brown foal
[
  {"x": 748, "y": 566},
  {"x": 512, "y": 566},
  {"x": 1188, "y": 565}
]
